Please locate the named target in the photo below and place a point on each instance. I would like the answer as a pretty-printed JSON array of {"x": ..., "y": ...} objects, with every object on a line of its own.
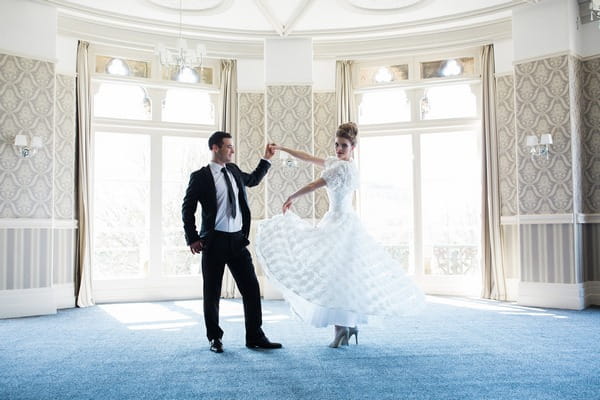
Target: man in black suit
[{"x": 220, "y": 188}]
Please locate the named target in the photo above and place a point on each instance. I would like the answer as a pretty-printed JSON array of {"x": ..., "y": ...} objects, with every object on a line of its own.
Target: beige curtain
[
  {"x": 344, "y": 94},
  {"x": 494, "y": 281},
  {"x": 228, "y": 123},
  {"x": 84, "y": 178}
]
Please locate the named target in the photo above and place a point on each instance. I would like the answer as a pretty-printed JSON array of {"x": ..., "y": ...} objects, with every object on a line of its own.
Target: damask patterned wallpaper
[
  {"x": 324, "y": 131},
  {"x": 251, "y": 145},
  {"x": 26, "y": 106},
  {"x": 590, "y": 106},
  {"x": 505, "y": 122},
  {"x": 543, "y": 105},
  {"x": 64, "y": 151},
  {"x": 289, "y": 122}
]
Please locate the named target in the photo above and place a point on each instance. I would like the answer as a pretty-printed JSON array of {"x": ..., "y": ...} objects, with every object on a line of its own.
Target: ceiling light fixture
[{"x": 183, "y": 59}]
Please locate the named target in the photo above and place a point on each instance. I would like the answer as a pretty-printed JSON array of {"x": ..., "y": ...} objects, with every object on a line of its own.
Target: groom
[{"x": 220, "y": 188}]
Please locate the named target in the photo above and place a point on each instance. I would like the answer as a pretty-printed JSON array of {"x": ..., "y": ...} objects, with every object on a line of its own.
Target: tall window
[
  {"x": 420, "y": 162},
  {"x": 149, "y": 135}
]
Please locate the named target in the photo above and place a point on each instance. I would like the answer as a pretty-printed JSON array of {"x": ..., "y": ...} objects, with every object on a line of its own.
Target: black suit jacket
[{"x": 201, "y": 189}]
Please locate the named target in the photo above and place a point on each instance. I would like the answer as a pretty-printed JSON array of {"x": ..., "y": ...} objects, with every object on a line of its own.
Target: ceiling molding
[
  {"x": 162, "y": 28},
  {"x": 485, "y": 33}
]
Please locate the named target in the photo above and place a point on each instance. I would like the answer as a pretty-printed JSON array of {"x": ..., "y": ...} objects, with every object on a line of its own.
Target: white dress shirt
[{"x": 224, "y": 222}]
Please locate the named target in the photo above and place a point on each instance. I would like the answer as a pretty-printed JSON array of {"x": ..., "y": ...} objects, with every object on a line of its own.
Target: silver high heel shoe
[
  {"x": 353, "y": 331},
  {"x": 341, "y": 336}
]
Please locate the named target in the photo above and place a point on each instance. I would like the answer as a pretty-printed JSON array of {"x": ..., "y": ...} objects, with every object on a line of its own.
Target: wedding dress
[{"x": 335, "y": 272}]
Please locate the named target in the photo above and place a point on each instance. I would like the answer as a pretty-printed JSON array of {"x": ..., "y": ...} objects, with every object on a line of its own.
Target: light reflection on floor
[
  {"x": 505, "y": 308},
  {"x": 178, "y": 314}
]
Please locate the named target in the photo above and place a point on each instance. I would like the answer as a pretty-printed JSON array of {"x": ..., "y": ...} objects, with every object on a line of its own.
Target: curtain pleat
[
  {"x": 344, "y": 95},
  {"x": 83, "y": 282},
  {"x": 228, "y": 123},
  {"x": 494, "y": 280}
]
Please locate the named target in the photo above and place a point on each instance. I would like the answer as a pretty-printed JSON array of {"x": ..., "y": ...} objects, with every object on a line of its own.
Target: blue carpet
[{"x": 455, "y": 349}]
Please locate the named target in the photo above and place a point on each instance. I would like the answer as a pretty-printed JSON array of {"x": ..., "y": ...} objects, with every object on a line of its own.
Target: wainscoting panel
[
  {"x": 64, "y": 256},
  {"x": 25, "y": 258},
  {"x": 324, "y": 130},
  {"x": 548, "y": 253},
  {"x": 510, "y": 251},
  {"x": 289, "y": 122},
  {"x": 251, "y": 146},
  {"x": 590, "y": 251},
  {"x": 505, "y": 121}
]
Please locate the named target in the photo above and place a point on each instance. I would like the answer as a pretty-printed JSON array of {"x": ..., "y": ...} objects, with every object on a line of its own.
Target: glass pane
[
  {"x": 386, "y": 193},
  {"x": 181, "y": 156},
  {"x": 121, "y": 205},
  {"x": 204, "y": 74},
  {"x": 382, "y": 75},
  {"x": 188, "y": 106},
  {"x": 452, "y": 101},
  {"x": 451, "y": 195},
  {"x": 384, "y": 106},
  {"x": 106, "y": 65},
  {"x": 448, "y": 68},
  {"x": 116, "y": 100}
]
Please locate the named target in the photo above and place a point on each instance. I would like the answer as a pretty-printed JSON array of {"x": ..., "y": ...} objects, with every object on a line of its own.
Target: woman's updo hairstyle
[{"x": 348, "y": 130}]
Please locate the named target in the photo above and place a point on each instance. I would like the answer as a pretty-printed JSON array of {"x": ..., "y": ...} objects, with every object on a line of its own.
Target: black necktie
[{"x": 230, "y": 194}]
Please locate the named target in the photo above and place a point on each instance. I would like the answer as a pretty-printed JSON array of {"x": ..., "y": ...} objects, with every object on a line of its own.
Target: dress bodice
[{"x": 342, "y": 180}]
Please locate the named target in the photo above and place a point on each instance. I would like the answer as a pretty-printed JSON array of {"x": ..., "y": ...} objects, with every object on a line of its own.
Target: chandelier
[{"x": 183, "y": 60}]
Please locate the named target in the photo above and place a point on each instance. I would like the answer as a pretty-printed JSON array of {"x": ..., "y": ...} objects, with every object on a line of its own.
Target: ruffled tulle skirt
[{"x": 335, "y": 272}]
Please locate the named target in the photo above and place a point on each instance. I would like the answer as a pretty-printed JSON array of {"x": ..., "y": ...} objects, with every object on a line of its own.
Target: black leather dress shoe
[
  {"x": 262, "y": 343},
  {"x": 216, "y": 346}
]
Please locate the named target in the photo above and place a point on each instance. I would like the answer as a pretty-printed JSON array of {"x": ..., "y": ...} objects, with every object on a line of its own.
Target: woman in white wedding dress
[{"x": 334, "y": 273}]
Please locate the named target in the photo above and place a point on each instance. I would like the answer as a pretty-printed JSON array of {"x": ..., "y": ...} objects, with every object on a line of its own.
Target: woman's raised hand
[{"x": 287, "y": 205}]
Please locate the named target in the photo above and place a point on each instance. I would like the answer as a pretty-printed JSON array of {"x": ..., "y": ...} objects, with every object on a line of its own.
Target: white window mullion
[
  {"x": 155, "y": 263},
  {"x": 417, "y": 208}
]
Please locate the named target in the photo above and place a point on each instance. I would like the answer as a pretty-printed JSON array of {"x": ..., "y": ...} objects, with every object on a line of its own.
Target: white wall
[
  {"x": 590, "y": 35},
  {"x": 288, "y": 61},
  {"x": 323, "y": 73},
  {"x": 28, "y": 29},
  {"x": 545, "y": 28},
  {"x": 503, "y": 56},
  {"x": 251, "y": 75},
  {"x": 66, "y": 54}
]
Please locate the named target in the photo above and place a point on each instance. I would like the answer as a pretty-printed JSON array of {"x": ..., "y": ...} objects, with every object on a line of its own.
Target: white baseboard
[
  {"x": 592, "y": 293},
  {"x": 26, "y": 302},
  {"x": 569, "y": 296},
  {"x": 268, "y": 291},
  {"x": 512, "y": 289},
  {"x": 133, "y": 290},
  {"x": 64, "y": 295}
]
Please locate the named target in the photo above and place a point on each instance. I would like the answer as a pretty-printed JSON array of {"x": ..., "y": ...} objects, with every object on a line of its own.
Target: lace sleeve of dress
[{"x": 337, "y": 173}]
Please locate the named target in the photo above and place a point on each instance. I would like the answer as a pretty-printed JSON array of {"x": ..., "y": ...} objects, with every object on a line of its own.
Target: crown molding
[{"x": 221, "y": 46}]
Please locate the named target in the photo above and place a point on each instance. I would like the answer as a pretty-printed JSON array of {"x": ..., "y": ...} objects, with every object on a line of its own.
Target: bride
[{"x": 334, "y": 273}]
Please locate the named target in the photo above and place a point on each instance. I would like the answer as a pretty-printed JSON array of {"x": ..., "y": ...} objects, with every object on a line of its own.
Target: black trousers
[{"x": 230, "y": 248}]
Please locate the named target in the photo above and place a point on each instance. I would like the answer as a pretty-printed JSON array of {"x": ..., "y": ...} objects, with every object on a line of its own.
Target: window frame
[
  {"x": 415, "y": 87},
  {"x": 155, "y": 285}
]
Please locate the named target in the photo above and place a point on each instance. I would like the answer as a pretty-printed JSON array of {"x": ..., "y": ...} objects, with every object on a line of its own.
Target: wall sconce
[
  {"x": 26, "y": 148},
  {"x": 286, "y": 160},
  {"x": 541, "y": 147}
]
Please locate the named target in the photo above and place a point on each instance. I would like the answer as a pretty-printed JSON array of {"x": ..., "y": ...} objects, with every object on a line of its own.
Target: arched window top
[
  {"x": 384, "y": 106},
  {"x": 188, "y": 106},
  {"x": 117, "y": 100},
  {"x": 451, "y": 101}
]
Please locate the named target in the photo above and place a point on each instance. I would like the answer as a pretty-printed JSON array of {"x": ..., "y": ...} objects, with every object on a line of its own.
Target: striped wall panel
[
  {"x": 64, "y": 251},
  {"x": 548, "y": 254},
  {"x": 25, "y": 258},
  {"x": 590, "y": 251},
  {"x": 510, "y": 251}
]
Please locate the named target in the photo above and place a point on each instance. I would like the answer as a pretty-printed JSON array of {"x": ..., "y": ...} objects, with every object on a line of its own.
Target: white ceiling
[{"x": 332, "y": 24}]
